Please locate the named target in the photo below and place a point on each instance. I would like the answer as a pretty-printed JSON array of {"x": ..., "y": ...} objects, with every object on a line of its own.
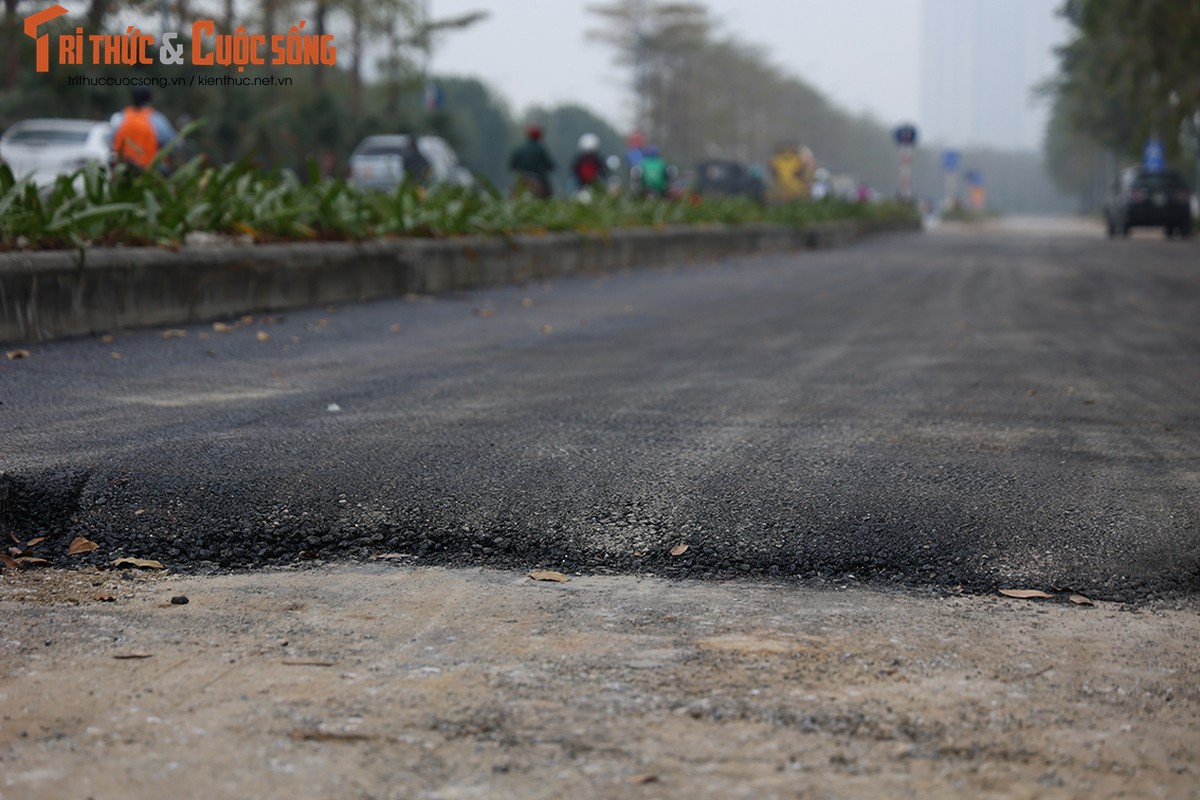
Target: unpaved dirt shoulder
[{"x": 394, "y": 682}]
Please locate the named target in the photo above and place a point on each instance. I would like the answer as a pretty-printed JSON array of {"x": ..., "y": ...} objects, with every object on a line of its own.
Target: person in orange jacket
[{"x": 139, "y": 132}]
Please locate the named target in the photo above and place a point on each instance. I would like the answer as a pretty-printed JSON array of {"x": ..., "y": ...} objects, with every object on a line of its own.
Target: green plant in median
[{"x": 96, "y": 207}]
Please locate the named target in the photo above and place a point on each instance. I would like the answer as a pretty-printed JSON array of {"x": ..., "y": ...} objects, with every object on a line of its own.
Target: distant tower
[{"x": 980, "y": 61}]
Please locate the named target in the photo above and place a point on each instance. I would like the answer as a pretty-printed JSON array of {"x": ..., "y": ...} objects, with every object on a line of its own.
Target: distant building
[{"x": 980, "y": 63}]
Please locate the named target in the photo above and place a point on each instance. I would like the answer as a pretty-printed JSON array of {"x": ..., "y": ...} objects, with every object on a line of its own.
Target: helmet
[
  {"x": 651, "y": 151},
  {"x": 534, "y": 132},
  {"x": 589, "y": 143}
]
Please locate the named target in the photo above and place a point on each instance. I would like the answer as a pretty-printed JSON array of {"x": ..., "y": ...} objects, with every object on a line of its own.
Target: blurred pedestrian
[
  {"x": 139, "y": 132},
  {"x": 416, "y": 166},
  {"x": 532, "y": 164}
]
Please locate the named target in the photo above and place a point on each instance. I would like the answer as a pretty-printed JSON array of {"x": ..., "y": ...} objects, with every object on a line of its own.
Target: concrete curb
[{"x": 48, "y": 295}]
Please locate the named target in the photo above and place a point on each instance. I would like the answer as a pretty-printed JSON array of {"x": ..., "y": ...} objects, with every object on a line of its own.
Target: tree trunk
[
  {"x": 12, "y": 49},
  {"x": 356, "y": 46},
  {"x": 320, "y": 15}
]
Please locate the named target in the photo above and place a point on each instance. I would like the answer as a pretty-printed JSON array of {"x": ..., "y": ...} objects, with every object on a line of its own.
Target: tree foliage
[{"x": 1129, "y": 71}]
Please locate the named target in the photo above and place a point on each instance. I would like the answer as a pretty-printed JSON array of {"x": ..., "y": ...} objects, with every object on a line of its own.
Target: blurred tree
[
  {"x": 12, "y": 48},
  {"x": 479, "y": 125},
  {"x": 1075, "y": 162},
  {"x": 655, "y": 40},
  {"x": 1128, "y": 71}
]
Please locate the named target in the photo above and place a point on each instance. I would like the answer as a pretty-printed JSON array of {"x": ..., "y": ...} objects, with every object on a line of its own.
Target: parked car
[
  {"x": 43, "y": 149},
  {"x": 726, "y": 178},
  {"x": 1140, "y": 197},
  {"x": 378, "y": 162}
]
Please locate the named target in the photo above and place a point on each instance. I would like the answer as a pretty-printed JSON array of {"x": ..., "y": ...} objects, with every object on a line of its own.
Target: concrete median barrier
[{"x": 48, "y": 295}]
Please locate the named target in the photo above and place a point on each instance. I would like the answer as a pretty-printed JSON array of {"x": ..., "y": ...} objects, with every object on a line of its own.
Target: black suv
[{"x": 1150, "y": 199}]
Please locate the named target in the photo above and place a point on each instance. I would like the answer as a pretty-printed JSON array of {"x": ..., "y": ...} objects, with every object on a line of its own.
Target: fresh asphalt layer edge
[{"x": 743, "y": 498}]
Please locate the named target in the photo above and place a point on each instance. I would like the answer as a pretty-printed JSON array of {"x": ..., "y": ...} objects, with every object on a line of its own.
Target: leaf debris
[
  {"x": 140, "y": 563},
  {"x": 548, "y": 575},
  {"x": 80, "y": 545}
]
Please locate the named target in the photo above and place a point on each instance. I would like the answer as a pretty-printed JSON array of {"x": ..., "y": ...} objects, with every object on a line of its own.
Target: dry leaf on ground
[
  {"x": 641, "y": 780},
  {"x": 1080, "y": 600},
  {"x": 221, "y": 327},
  {"x": 140, "y": 563},
  {"x": 1025, "y": 594},
  {"x": 174, "y": 333},
  {"x": 13, "y": 355},
  {"x": 679, "y": 549},
  {"x": 308, "y": 662},
  {"x": 263, "y": 336},
  {"x": 126, "y": 656},
  {"x": 548, "y": 575},
  {"x": 80, "y": 545},
  {"x": 390, "y": 556}
]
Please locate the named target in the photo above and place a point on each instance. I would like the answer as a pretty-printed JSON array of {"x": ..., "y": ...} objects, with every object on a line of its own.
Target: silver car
[
  {"x": 43, "y": 149},
  {"x": 378, "y": 162}
]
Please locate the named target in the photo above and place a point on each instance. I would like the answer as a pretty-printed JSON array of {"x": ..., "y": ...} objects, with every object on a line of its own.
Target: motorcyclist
[
  {"x": 533, "y": 164},
  {"x": 654, "y": 176},
  {"x": 588, "y": 169}
]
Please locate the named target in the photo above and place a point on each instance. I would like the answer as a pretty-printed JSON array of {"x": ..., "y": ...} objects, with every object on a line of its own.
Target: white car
[
  {"x": 378, "y": 162},
  {"x": 43, "y": 149}
]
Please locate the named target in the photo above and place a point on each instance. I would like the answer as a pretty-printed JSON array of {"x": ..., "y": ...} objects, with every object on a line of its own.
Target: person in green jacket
[
  {"x": 533, "y": 164},
  {"x": 654, "y": 177}
]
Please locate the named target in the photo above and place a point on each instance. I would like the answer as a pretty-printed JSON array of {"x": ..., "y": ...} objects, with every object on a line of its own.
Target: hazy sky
[{"x": 863, "y": 54}]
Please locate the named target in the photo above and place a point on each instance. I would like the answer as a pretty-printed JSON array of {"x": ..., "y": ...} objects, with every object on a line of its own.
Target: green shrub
[{"x": 96, "y": 207}]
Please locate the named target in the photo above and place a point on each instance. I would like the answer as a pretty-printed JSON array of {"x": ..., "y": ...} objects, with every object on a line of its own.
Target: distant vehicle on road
[
  {"x": 1149, "y": 199},
  {"x": 728, "y": 178},
  {"x": 379, "y": 162},
  {"x": 43, "y": 149}
]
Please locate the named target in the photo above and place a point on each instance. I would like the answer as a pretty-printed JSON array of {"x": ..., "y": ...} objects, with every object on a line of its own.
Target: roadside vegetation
[
  {"x": 95, "y": 208},
  {"x": 697, "y": 91},
  {"x": 1127, "y": 74}
]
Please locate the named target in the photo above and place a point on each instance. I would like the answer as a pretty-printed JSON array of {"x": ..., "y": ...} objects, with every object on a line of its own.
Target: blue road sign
[
  {"x": 950, "y": 160},
  {"x": 1153, "y": 158},
  {"x": 905, "y": 135}
]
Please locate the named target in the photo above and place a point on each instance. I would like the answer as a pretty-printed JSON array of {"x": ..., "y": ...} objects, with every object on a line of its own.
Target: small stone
[{"x": 179, "y": 600}]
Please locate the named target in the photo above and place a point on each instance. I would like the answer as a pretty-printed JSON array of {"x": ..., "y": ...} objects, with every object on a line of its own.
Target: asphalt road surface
[{"x": 1003, "y": 407}]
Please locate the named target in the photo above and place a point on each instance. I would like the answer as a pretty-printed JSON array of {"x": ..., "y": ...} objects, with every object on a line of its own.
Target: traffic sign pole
[
  {"x": 950, "y": 167},
  {"x": 906, "y": 140}
]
